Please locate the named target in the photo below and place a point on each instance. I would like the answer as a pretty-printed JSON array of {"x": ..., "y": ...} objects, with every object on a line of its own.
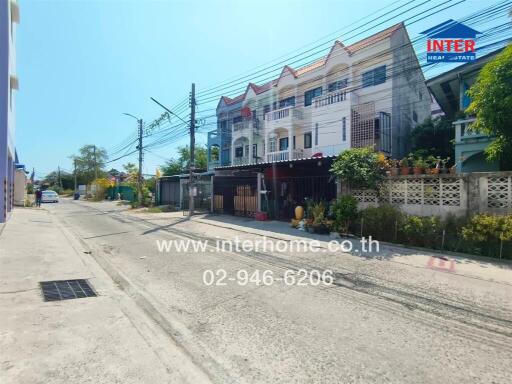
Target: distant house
[{"x": 449, "y": 90}]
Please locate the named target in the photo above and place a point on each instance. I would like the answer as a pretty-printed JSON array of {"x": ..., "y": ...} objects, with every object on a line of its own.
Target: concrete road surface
[{"x": 379, "y": 321}]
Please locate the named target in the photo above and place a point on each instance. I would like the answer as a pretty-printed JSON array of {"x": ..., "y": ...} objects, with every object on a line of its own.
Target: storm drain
[{"x": 66, "y": 289}]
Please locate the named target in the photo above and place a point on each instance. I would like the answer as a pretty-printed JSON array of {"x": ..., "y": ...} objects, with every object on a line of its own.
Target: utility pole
[
  {"x": 60, "y": 178},
  {"x": 192, "y": 149},
  {"x": 139, "y": 175},
  {"x": 95, "y": 164},
  {"x": 74, "y": 172}
]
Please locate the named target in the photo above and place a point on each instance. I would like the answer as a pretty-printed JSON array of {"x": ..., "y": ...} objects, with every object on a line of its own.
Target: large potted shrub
[
  {"x": 418, "y": 166},
  {"x": 405, "y": 166}
]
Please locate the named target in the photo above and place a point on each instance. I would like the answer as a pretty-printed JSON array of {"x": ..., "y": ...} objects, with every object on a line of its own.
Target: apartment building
[
  {"x": 369, "y": 93},
  {"x": 9, "y": 17}
]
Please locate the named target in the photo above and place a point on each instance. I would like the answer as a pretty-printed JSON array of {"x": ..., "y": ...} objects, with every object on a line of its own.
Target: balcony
[
  {"x": 284, "y": 113},
  {"x": 283, "y": 118},
  {"x": 244, "y": 160},
  {"x": 297, "y": 154},
  {"x": 330, "y": 98}
]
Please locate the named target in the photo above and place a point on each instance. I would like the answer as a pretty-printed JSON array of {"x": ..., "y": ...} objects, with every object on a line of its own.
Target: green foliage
[
  {"x": 90, "y": 160},
  {"x": 180, "y": 165},
  {"x": 359, "y": 167},
  {"x": 318, "y": 212},
  {"x": 30, "y": 189},
  {"x": 381, "y": 222},
  {"x": 344, "y": 211},
  {"x": 433, "y": 137},
  {"x": 491, "y": 103},
  {"x": 487, "y": 232},
  {"x": 422, "y": 231}
]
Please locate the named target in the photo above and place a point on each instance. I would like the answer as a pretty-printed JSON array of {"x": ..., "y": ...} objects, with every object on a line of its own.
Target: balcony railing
[
  {"x": 244, "y": 160},
  {"x": 285, "y": 155},
  {"x": 240, "y": 126},
  {"x": 330, "y": 98},
  {"x": 283, "y": 113}
]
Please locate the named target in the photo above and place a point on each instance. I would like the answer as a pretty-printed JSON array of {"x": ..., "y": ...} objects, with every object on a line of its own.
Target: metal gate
[
  {"x": 202, "y": 199},
  {"x": 235, "y": 195}
]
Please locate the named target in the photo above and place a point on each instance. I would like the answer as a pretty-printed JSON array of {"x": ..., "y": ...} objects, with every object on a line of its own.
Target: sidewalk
[{"x": 103, "y": 339}]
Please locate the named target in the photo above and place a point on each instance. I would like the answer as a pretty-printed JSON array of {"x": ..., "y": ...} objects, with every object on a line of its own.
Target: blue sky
[{"x": 82, "y": 64}]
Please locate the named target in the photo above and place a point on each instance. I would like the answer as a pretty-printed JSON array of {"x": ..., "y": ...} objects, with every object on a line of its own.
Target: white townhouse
[{"x": 369, "y": 93}]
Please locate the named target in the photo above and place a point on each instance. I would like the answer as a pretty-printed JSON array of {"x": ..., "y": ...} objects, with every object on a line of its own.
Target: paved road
[{"x": 379, "y": 322}]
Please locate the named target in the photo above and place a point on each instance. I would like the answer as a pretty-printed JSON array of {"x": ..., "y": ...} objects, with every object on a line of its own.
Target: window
[
  {"x": 237, "y": 119},
  {"x": 307, "y": 140},
  {"x": 283, "y": 144},
  {"x": 375, "y": 76},
  {"x": 255, "y": 150},
  {"x": 288, "y": 102},
  {"x": 294, "y": 142},
  {"x": 415, "y": 116},
  {"x": 239, "y": 151},
  {"x": 316, "y": 133},
  {"x": 266, "y": 109},
  {"x": 344, "y": 129},
  {"x": 310, "y": 95},
  {"x": 272, "y": 144},
  {"x": 340, "y": 84}
]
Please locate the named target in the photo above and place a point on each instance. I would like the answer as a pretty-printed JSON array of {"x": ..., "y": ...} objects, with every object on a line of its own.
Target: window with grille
[
  {"x": 340, "y": 84},
  {"x": 344, "y": 129},
  {"x": 307, "y": 140},
  {"x": 375, "y": 76},
  {"x": 310, "y": 95},
  {"x": 316, "y": 133}
]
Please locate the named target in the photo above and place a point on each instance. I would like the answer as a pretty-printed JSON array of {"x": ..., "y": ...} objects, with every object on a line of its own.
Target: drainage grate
[{"x": 66, "y": 289}]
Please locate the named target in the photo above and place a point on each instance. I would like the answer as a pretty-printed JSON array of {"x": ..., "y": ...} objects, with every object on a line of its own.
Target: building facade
[
  {"x": 449, "y": 89},
  {"x": 371, "y": 93},
  {"x": 9, "y": 17}
]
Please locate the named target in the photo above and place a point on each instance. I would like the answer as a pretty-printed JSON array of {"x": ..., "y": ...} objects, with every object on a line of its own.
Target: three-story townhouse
[
  {"x": 369, "y": 93},
  {"x": 286, "y": 133}
]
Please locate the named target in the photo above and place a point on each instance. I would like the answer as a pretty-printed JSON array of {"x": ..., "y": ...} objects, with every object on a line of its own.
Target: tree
[
  {"x": 359, "y": 167},
  {"x": 491, "y": 103},
  {"x": 52, "y": 179},
  {"x": 434, "y": 137},
  {"x": 180, "y": 165},
  {"x": 89, "y": 162}
]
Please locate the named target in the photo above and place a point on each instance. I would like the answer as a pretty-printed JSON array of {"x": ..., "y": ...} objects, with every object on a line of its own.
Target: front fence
[{"x": 426, "y": 195}]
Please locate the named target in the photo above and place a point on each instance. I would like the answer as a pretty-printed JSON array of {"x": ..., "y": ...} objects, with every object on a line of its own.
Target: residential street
[{"x": 388, "y": 317}]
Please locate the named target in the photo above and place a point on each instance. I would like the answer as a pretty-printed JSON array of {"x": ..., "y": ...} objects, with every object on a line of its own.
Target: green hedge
[{"x": 485, "y": 235}]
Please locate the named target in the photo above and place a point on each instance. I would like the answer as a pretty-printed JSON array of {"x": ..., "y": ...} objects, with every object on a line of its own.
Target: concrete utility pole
[
  {"x": 95, "y": 164},
  {"x": 74, "y": 173},
  {"x": 60, "y": 178},
  {"x": 140, "y": 124},
  {"x": 139, "y": 175},
  {"x": 192, "y": 149}
]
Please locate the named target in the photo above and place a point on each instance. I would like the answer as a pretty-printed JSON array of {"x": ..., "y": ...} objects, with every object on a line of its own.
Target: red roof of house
[{"x": 351, "y": 49}]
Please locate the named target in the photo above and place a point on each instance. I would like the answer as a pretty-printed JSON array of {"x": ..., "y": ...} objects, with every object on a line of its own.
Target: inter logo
[{"x": 451, "y": 42}]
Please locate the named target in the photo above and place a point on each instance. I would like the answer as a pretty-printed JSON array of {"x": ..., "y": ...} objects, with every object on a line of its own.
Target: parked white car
[{"x": 49, "y": 197}]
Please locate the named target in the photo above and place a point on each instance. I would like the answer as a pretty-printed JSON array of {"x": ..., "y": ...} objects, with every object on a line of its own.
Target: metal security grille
[
  {"x": 66, "y": 289},
  {"x": 363, "y": 125}
]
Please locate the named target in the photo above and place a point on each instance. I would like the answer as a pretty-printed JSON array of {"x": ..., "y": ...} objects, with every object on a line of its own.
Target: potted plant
[
  {"x": 437, "y": 167},
  {"x": 444, "y": 165},
  {"x": 318, "y": 212},
  {"x": 418, "y": 166},
  {"x": 393, "y": 167},
  {"x": 404, "y": 166}
]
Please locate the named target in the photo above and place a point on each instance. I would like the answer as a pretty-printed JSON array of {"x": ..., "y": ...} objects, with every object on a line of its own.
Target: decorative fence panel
[
  {"x": 419, "y": 195},
  {"x": 424, "y": 195}
]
